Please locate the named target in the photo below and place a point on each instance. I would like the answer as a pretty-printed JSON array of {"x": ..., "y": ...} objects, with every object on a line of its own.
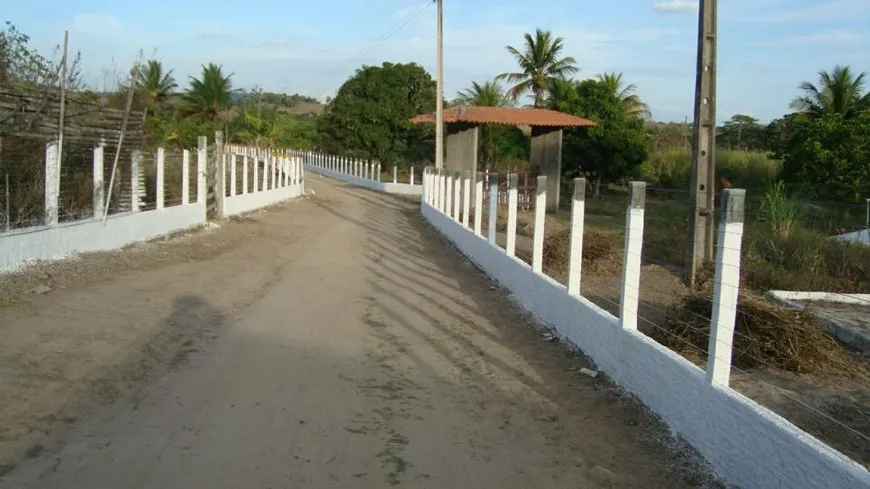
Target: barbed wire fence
[{"x": 54, "y": 131}]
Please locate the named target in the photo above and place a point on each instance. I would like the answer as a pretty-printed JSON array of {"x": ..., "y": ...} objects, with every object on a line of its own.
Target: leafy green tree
[
  {"x": 208, "y": 96},
  {"x": 831, "y": 154},
  {"x": 155, "y": 85},
  {"x": 840, "y": 92},
  {"x": 541, "y": 63},
  {"x": 632, "y": 105},
  {"x": 614, "y": 149},
  {"x": 370, "y": 115},
  {"x": 743, "y": 132}
]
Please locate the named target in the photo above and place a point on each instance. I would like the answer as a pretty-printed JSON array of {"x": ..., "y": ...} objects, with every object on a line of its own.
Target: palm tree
[
  {"x": 632, "y": 105},
  {"x": 540, "y": 63},
  {"x": 208, "y": 95},
  {"x": 154, "y": 83},
  {"x": 490, "y": 94},
  {"x": 839, "y": 92}
]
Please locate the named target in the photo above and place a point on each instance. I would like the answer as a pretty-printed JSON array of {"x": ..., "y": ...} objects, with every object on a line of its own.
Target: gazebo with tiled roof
[{"x": 462, "y": 125}]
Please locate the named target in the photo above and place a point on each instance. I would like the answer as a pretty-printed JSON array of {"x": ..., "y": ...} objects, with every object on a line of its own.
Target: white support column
[
  {"x": 99, "y": 194},
  {"x": 135, "y": 169},
  {"x": 266, "y": 171},
  {"x": 726, "y": 286},
  {"x": 395, "y": 173},
  {"x": 443, "y": 192},
  {"x": 256, "y": 173},
  {"x": 493, "y": 207},
  {"x": 448, "y": 193},
  {"x": 478, "y": 203},
  {"x": 275, "y": 182},
  {"x": 378, "y": 172},
  {"x": 575, "y": 249},
  {"x": 52, "y": 183},
  {"x": 161, "y": 173},
  {"x": 232, "y": 164},
  {"x": 457, "y": 195},
  {"x": 185, "y": 177},
  {"x": 511, "y": 245},
  {"x": 466, "y": 196},
  {"x": 412, "y": 174},
  {"x": 540, "y": 223},
  {"x": 201, "y": 162},
  {"x": 245, "y": 167},
  {"x": 629, "y": 296}
]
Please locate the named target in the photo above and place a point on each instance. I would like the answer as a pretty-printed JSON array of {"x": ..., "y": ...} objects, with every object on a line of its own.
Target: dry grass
[
  {"x": 600, "y": 251},
  {"x": 767, "y": 335}
]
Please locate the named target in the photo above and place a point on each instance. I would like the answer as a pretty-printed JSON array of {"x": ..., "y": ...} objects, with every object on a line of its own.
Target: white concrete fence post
[
  {"x": 255, "y": 173},
  {"x": 395, "y": 173},
  {"x": 201, "y": 162},
  {"x": 52, "y": 183},
  {"x": 540, "y": 223},
  {"x": 466, "y": 196},
  {"x": 629, "y": 295},
  {"x": 275, "y": 182},
  {"x": 448, "y": 193},
  {"x": 378, "y": 172},
  {"x": 493, "y": 207},
  {"x": 478, "y": 203},
  {"x": 444, "y": 191},
  {"x": 726, "y": 286},
  {"x": 161, "y": 172},
  {"x": 99, "y": 194},
  {"x": 185, "y": 177},
  {"x": 245, "y": 167},
  {"x": 412, "y": 174},
  {"x": 135, "y": 168},
  {"x": 457, "y": 195},
  {"x": 232, "y": 167},
  {"x": 575, "y": 249},
  {"x": 511, "y": 245}
]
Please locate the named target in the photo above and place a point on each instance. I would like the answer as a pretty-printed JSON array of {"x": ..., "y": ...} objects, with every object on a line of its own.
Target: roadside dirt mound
[{"x": 767, "y": 335}]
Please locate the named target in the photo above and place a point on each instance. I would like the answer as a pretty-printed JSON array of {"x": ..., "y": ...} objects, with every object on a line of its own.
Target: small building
[{"x": 461, "y": 133}]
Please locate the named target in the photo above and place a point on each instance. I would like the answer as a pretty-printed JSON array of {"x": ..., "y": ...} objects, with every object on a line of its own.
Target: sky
[{"x": 766, "y": 47}]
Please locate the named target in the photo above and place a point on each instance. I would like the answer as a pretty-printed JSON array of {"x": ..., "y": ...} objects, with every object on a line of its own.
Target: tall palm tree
[
  {"x": 209, "y": 95},
  {"x": 489, "y": 94},
  {"x": 540, "y": 63},
  {"x": 840, "y": 91},
  {"x": 155, "y": 85},
  {"x": 632, "y": 105}
]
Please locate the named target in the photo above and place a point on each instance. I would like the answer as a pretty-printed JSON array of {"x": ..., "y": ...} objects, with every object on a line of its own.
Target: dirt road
[{"x": 332, "y": 342}]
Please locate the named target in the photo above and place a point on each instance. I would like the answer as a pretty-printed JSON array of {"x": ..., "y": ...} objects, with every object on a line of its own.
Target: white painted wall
[
  {"x": 388, "y": 187},
  {"x": 746, "y": 444},
  {"x": 858, "y": 237},
  {"x": 239, "y": 204},
  {"x": 17, "y": 248}
]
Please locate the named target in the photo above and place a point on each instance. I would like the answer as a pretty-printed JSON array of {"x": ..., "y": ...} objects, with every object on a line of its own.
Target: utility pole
[
  {"x": 439, "y": 97},
  {"x": 703, "y": 187}
]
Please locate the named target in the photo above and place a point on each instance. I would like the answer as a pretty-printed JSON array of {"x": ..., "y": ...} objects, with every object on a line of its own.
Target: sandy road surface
[{"x": 334, "y": 342}]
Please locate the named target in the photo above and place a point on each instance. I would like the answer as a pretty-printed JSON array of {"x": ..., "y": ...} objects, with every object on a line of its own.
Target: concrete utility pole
[
  {"x": 439, "y": 97},
  {"x": 703, "y": 187}
]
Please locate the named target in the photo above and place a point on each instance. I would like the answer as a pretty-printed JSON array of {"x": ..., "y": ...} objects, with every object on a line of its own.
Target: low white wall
[
  {"x": 390, "y": 188},
  {"x": 858, "y": 237},
  {"x": 746, "y": 444},
  {"x": 239, "y": 204},
  {"x": 17, "y": 248},
  {"x": 786, "y": 296}
]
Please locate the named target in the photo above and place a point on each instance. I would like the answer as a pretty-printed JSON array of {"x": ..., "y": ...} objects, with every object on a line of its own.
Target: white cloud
[
  {"x": 95, "y": 23},
  {"x": 675, "y": 6}
]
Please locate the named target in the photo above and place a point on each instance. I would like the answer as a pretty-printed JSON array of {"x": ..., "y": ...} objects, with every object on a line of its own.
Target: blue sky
[{"x": 766, "y": 47}]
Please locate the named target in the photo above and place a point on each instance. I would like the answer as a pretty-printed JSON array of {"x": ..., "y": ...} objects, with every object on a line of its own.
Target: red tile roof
[{"x": 507, "y": 116}]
